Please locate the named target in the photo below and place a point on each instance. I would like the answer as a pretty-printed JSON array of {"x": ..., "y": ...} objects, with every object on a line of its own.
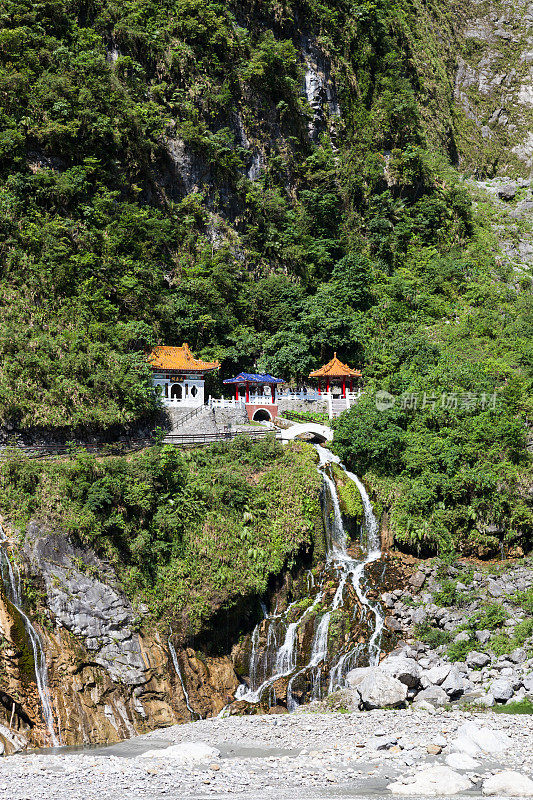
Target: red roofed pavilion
[{"x": 335, "y": 372}]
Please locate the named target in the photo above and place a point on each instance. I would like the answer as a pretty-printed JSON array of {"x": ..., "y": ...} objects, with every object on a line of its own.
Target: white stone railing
[
  {"x": 310, "y": 396},
  {"x": 223, "y": 402}
]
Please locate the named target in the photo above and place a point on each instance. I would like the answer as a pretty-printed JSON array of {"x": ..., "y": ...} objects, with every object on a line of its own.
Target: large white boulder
[
  {"x": 404, "y": 669},
  {"x": 437, "y": 674},
  {"x": 455, "y": 683},
  {"x": 185, "y": 753},
  {"x": 355, "y": 676},
  {"x": 502, "y": 690},
  {"x": 461, "y": 761},
  {"x": 436, "y": 780},
  {"x": 508, "y": 783},
  {"x": 380, "y": 690},
  {"x": 480, "y": 741}
]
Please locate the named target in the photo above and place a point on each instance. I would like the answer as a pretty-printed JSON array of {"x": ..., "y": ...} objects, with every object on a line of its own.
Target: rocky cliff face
[
  {"x": 494, "y": 86},
  {"x": 111, "y": 673}
]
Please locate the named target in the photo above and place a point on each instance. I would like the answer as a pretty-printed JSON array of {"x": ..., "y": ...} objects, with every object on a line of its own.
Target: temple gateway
[{"x": 178, "y": 377}]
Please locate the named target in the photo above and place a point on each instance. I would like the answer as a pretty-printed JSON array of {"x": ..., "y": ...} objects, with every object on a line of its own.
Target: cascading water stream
[
  {"x": 272, "y": 661},
  {"x": 174, "y": 656},
  {"x": 11, "y": 582}
]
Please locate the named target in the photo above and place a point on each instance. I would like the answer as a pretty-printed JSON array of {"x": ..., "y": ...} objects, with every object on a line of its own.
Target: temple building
[
  {"x": 258, "y": 392},
  {"x": 178, "y": 376},
  {"x": 335, "y": 375}
]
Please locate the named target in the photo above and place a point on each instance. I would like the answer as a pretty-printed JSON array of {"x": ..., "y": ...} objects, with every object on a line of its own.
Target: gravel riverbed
[{"x": 302, "y": 755}]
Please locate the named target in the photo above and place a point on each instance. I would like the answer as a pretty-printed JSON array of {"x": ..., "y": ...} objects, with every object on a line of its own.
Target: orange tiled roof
[
  {"x": 335, "y": 369},
  {"x": 179, "y": 358}
]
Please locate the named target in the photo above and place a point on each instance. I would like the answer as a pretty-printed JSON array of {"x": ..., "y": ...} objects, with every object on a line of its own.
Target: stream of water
[
  {"x": 12, "y": 587},
  {"x": 177, "y": 669},
  {"x": 277, "y": 649}
]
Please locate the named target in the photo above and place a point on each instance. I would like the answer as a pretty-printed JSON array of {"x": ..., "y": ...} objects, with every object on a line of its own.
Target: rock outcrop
[{"x": 110, "y": 671}]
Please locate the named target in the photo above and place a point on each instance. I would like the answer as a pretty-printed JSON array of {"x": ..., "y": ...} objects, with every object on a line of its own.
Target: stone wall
[{"x": 302, "y": 406}]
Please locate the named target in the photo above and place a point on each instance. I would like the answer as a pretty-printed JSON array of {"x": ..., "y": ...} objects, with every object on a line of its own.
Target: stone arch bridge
[{"x": 320, "y": 432}]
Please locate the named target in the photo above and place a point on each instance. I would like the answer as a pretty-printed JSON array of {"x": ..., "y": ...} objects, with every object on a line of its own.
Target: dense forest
[{"x": 169, "y": 174}]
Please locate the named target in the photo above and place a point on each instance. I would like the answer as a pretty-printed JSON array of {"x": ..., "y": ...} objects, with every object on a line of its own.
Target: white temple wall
[{"x": 185, "y": 392}]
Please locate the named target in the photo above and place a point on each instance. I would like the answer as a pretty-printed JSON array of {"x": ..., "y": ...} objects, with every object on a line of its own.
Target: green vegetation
[
  {"x": 434, "y": 637},
  {"x": 307, "y": 416},
  {"x": 349, "y": 495},
  {"x": 129, "y": 217},
  {"x": 502, "y": 643},
  {"x": 188, "y": 533},
  {"x": 520, "y": 707},
  {"x": 525, "y": 600}
]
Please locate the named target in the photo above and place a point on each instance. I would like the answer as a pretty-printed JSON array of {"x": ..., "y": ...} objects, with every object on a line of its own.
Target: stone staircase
[
  {"x": 201, "y": 422},
  {"x": 337, "y": 406}
]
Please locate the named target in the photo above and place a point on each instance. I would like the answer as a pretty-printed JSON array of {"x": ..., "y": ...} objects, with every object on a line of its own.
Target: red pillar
[
  {"x": 319, "y": 391},
  {"x": 327, "y": 385},
  {"x": 344, "y": 387},
  {"x": 236, "y": 391},
  {"x": 247, "y": 392}
]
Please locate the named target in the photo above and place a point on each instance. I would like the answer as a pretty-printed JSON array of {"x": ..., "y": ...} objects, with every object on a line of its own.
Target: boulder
[
  {"x": 477, "y": 660},
  {"x": 404, "y": 669},
  {"x": 382, "y": 742},
  {"x": 379, "y": 690},
  {"x": 419, "y": 616},
  {"x": 436, "y": 780},
  {"x": 476, "y": 741},
  {"x": 185, "y": 753},
  {"x": 502, "y": 690},
  {"x": 10, "y": 741},
  {"x": 355, "y": 676},
  {"x": 483, "y": 636},
  {"x": 462, "y": 636},
  {"x": 507, "y": 192},
  {"x": 518, "y": 656},
  {"x": 434, "y": 695},
  {"x": 461, "y": 761},
  {"x": 454, "y": 684},
  {"x": 508, "y": 783},
  {"x": 436, "y": 675},
  {"x": 417, "y": 579},
  {"x": 423, "y": 705}
]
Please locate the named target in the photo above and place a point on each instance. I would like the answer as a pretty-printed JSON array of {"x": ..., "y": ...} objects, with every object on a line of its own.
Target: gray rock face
[
  {"x": 86, "y": 605},
  {"x": 380, "y": 690}
]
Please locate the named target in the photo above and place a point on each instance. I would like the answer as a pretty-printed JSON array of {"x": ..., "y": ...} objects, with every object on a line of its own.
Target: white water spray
[
  {"x": 287, "y": 661},
  {"x": 12, "y": 587}
]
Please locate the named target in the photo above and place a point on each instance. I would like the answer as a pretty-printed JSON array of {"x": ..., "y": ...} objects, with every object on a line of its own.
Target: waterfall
[
  {"x": 320, "y": 668},
  {"x": 194, "y": 714},
  {"x": 12, "y": 588}
]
